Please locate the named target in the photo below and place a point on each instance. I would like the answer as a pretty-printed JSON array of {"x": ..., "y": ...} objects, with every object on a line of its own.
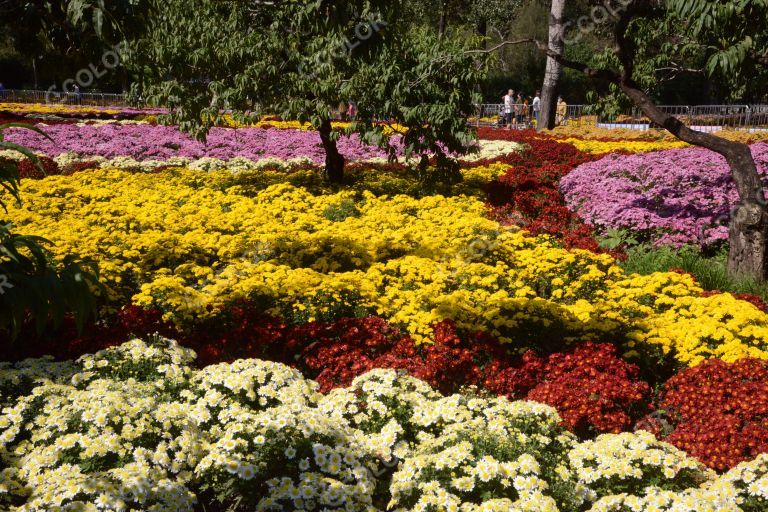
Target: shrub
[
  {"x": 593, "y": 389},
  {"x": 716, "y": 411},
  {"x": 634, "y": 463}
]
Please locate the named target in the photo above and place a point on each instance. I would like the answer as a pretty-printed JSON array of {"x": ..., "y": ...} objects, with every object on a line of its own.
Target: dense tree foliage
[
  {"x": 647, "y": 40},
  {"x": 301, "y": 61},
  {"x": 50, "y": 41}
]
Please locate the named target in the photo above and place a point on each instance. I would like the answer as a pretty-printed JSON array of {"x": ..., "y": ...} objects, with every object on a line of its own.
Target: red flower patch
[{"x": 716, "y": 411}]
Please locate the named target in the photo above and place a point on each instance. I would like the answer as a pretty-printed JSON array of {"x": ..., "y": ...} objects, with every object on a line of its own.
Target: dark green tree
[{"x": 61, "y": 37}]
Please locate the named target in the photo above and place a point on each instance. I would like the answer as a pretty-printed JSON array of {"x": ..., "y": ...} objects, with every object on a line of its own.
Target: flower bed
[
  {"x": 716, "y": 411},
  {"x": 601, "y": 147},
  {"x": 408, "y": 309},
  {"x": 526, "y": 194},
  {"x": 592, "y": 388},
  {"x": 670, "y": 197},
  {"x": 154, "y": 145},
  {"x": 189, "y": 244},
  {"x": 257, "y": 435},
  {"x": 156, "y": 142},
  {"x": 584, "y": 132},
  {"x": 80, "y": 111}
]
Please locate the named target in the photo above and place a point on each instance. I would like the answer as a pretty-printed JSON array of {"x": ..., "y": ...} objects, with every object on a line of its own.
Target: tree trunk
[
  {"x": 334, "y": 161},
  {"x": 748, "y": 229},
  {"x": 443, "y": 18},
  {"x": 554, "y": 68},
  {"x": 482, "y": 31}
]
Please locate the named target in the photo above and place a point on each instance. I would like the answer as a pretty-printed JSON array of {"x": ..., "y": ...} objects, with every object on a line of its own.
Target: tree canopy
[{"x": 300, "y": 60}]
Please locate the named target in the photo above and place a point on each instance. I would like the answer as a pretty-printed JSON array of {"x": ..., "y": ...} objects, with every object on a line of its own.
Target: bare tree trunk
[
  {"x": 334, "y": 161},
  {"x": 748, "y": 230},
  {"x": 554, "y": 68}
]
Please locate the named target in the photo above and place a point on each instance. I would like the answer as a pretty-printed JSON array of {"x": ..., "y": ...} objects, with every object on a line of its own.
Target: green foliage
[
  {"x": 711, "y": 272},
  {"x": 65, "y": 36},
  {"x": 679, "y": 45},
  {"x": 30, "y": 286},
  {"x": 109, "y": 21},
  {"x": 616, "y": 238},
  {"x": 342, "y": 211},
  {"x": 300, "y": 60},
  {"x": 735, "y": 29}
]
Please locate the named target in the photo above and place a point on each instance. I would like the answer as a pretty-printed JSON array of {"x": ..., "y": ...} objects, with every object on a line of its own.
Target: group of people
[
  {"x": 519, "y": 112},
  {"x": 347, "y": 111}
]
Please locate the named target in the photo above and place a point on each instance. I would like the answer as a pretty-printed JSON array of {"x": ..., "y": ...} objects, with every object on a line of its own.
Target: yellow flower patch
[
  {"x": 189, "y": 243},
  {"x": 631, "y": 146}
]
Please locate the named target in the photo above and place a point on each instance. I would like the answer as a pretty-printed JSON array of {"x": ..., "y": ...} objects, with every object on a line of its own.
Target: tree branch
[{"x": 501, "y": 45}]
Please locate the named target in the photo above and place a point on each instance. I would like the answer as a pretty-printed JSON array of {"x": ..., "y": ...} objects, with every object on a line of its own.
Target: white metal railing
[
  {"x": 701, "y": 117},
  {"x": 92, "y": 99}
]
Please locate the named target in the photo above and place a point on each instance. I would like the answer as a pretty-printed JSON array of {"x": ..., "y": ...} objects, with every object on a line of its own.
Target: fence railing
[
  {"x": 701, "y": 117},
  {"x": 707, "y": 118},
  {"x": 91, "y": 99}
]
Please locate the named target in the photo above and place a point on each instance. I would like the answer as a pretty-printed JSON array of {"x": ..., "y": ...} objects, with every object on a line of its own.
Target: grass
[{"x": 710, "y": 271}]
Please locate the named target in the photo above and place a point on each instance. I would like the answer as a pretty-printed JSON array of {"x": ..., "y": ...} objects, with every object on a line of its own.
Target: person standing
[
  {"x": 351, "y": 111},
  {"x": 2, "y": 91},
  {"x": 526, "y": 112},
  {"x": 519, "y": 109},
  {"x": 509, "y": 105},
  {"x": 536, "y": 107},
  {"x": 562, "y": 110}
]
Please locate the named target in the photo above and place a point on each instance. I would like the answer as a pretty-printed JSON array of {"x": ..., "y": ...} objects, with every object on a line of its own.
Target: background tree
[
  {"x": 630, "y": 68},
  {"x": 300, "y": 60},
  {"x": 59, "y": 37}
]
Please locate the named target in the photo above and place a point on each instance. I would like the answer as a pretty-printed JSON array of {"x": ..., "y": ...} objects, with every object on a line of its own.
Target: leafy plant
[
  {"x": 616, "y": 238},
  {"x": 9, "y": 171},
  {"x": 710, "y": 271}
]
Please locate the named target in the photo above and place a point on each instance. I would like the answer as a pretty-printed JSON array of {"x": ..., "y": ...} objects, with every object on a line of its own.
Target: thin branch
[
  {"x": 501, "y": 45},
  {"x": 679, "y": 70}
]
